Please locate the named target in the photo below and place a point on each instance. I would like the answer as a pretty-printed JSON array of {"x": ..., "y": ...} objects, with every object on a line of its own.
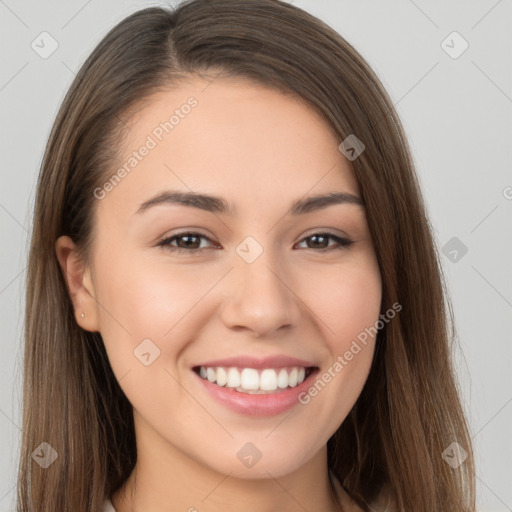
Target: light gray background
[{"x": 456, "y": 112}]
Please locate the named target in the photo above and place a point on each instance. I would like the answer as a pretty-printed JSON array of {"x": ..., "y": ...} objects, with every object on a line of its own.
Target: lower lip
[{"x": 257, "y": 405}]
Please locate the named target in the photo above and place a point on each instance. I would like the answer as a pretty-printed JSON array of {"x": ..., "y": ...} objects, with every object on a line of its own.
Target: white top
[{"x": 107, "y": 506}]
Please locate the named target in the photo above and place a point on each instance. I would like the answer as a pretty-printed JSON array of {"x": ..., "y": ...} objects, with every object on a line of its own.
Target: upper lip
[{"x": 278, "y": 361}]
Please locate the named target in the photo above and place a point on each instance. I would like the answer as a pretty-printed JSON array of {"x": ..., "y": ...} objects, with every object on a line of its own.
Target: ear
[{"x": 79, "y": 284}]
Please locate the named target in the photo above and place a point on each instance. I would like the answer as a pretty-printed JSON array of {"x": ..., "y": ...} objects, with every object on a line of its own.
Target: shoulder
[{"x": 107, "y": 506}]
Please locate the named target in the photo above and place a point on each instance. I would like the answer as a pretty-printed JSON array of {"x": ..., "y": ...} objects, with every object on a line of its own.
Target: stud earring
[{"x": 83, "y": 315}]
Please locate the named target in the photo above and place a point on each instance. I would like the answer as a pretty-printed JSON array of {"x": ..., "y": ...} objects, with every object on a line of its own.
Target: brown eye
[
  {"x": 320, "y": 242},
  {"x": 186, "y": 242}
]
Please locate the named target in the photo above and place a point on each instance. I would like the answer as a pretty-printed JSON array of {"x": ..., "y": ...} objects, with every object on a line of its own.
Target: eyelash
[{"x": 166, "y": 243}]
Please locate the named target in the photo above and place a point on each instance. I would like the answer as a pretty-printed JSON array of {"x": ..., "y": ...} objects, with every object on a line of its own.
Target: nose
[{"x": 261, "y": 297}]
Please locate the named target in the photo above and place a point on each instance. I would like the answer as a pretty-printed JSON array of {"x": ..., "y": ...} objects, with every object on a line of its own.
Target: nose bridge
[{"x": 262, "y": 299}]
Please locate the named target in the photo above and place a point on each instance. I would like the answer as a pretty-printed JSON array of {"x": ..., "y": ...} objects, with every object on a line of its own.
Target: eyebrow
[{"x": 216, "y": 204}]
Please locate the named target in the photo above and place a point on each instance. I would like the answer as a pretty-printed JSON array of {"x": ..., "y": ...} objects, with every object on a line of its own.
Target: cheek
[
  {"x": 146, "y": 324},
  {"x": 346, "y": 301},
  {"x": 146, "y": 300}
]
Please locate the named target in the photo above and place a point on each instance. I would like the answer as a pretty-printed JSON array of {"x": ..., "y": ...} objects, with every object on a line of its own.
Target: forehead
[{"x": 231, "y": 138}]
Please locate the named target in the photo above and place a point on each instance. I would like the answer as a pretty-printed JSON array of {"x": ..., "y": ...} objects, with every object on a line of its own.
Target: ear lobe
[{"x": 78, "y": 283}]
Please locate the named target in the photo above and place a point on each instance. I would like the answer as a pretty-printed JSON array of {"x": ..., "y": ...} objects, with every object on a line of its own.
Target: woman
[{"x": 234, "y": 299}]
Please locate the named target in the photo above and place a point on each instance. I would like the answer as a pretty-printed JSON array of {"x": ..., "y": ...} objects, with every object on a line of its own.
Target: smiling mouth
[{"x": 255, "y": 381}]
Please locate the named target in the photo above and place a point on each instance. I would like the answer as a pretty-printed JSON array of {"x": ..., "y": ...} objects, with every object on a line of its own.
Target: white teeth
[
  {"x": 292, "y": 378},
  {"x": 211, "y": 374},
  {"x": 233, "y": 378},
  {"x": 268, "y": 380},
  {"x": 251, "y": 381},
  {"x": 222, "y": 377},
  {"x": 282, "y": 379}
]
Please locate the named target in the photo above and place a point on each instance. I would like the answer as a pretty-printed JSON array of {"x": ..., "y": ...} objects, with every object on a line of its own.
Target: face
[{"x": 230, "y": 328}]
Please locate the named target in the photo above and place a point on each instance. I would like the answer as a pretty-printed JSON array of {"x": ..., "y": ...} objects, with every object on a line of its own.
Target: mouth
[
  {"x": 255, "y": 381},
  {"x": 255, "y": 392}
]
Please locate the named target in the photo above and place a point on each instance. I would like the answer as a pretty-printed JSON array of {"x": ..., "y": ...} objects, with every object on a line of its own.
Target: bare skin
[{"x": 261, "y": 151}]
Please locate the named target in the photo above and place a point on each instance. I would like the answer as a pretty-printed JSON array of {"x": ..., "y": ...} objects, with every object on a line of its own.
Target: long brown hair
[{"x": 409, "y": 411}]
